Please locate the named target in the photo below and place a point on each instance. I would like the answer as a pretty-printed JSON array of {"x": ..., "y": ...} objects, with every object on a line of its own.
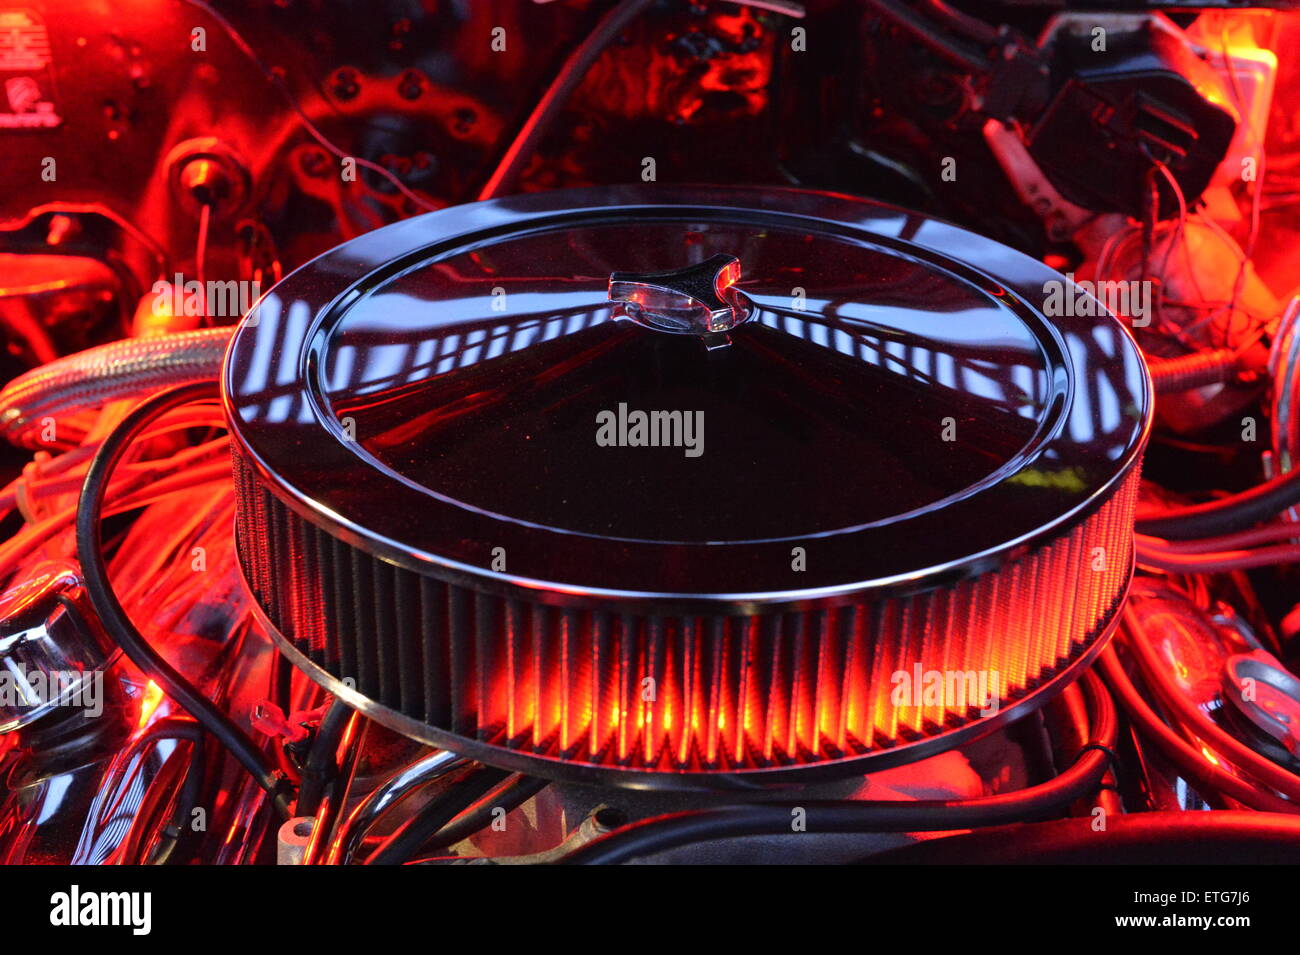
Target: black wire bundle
[
  {"x": 1043, "y": 801},
  {"x": 1226, "y": 515},
  {"x": 114, "y": 618}
]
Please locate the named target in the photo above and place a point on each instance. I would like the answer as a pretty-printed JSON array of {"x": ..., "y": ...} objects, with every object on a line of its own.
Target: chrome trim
[{"x": 388, "y": 794}]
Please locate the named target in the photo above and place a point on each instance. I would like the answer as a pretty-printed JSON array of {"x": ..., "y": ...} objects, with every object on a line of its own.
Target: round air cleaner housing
[{"x": 679, "y": 487}]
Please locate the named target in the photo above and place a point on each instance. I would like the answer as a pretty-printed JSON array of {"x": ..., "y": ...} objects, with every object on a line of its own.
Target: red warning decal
[{"x": 26, "y": 73}]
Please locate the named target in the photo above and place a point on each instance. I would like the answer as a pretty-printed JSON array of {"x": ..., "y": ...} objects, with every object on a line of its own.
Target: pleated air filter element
[{"x": 684, "y": 487}]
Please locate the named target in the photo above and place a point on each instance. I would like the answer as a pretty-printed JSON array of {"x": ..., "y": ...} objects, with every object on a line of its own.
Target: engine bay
[{"x": 657, "y": 431}]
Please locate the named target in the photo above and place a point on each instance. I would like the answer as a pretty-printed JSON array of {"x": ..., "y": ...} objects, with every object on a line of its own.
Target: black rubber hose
[
  {"x": 322, "y": 764},
  {"x": 1037, "y": 802},
  {"x": 1225, "y": 515},
  {"x": 115, "y": 619},
  {"x": 540, "y": 120},
  {"x": 976, "y": 29},
  {"x": 178, "y": 728},
  {"x": 931, "y": 35},
  {"x": 430, "y": 820},
  {"x": 510, "y": 795},
  {"x": 1144, "y": 838}
]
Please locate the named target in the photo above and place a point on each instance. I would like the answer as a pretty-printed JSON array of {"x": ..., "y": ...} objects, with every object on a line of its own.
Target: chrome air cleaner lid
[{"x": 651, "y": 402}]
